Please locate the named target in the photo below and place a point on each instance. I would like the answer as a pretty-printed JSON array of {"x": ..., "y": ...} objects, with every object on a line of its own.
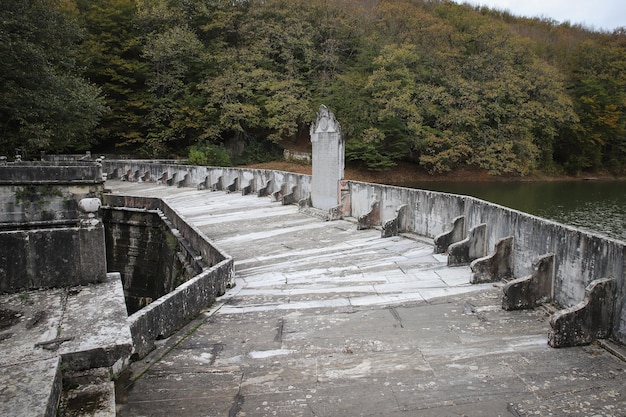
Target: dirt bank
[{"x": 407, "y": 174}]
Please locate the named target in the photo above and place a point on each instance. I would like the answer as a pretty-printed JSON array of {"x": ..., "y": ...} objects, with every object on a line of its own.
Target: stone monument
[{"x": 328, "y": 160}]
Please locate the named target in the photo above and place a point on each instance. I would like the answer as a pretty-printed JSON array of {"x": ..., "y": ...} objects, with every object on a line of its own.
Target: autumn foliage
[{"x": 442, "y": 85}]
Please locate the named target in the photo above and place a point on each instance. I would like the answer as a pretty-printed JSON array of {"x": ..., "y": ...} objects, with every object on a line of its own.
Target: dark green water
[{"x": 598, "y": 206}]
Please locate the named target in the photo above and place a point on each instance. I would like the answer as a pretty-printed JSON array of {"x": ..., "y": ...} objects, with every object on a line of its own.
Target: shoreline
[{"x": 405, "y": 174}]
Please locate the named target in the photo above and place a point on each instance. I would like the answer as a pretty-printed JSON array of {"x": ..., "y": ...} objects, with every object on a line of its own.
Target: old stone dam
[
  {"x": 326, "y": 319},
  {"x": 210, "y": 291}
]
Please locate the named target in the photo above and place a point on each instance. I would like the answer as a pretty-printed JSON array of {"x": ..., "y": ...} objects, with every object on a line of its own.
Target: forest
[{"x": 222, "y": 82}]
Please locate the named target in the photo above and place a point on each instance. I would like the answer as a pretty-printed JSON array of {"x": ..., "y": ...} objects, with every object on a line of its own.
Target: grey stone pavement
[{"x": 326, "y": 320}]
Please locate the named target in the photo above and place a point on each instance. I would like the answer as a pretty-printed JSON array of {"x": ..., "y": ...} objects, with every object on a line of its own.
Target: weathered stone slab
[
  {"x": 495, "y": 267},
  {"x": 533, "y": 290},
  {"x": 30, "y": 389},
  {"x": 95, "y": 322},
  {"x": 587, "y": 321},
  {"x": 80, "y": 327},
  {"x": 84, "y": 324},
  {"x": 30, "y": 320}
]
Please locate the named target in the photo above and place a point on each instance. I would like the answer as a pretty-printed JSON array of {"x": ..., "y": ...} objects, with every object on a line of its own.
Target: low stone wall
[
  {"x": 46, "y": 191},
  {"x": 170, "y": 312},
  {"x": 150, "y": 257},
  {"x": 49, "y": 172},
  {"x": 245, "y": 180},
  {"x": 63, "y": 256}
]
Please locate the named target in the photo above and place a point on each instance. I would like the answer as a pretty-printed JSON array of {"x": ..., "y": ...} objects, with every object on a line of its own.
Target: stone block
[
  {"x": 495, "y": 267},
  {"x": 266, "y": 189},
  {"x": 94, "y": 330},
  {"x": 53, "y": 257},
  {"x": 533, "y": 290},
  {"x": 172, "y": 180},
  {"x": 232, "y": 187},
  {"x": 184, "y": 182},
  {"x": 335, "y": 213},
  {"x": 390, "y": 228},
  {"x": 472, "y": 247},
  {"x": 395, "y": 226},
  {"x": 290, "y": 197},
  {"x": 587, "y": 321},
  {"x": 204, "y": 184},
  {"x": 31, "y": 388},
  {"x": 370, "y": 219},
  {"x": 247, "y": 189},
  {"x": 218, "y": 185},
  {"x": 456, "y": 234},
  {"x": 89, "y": 393}
]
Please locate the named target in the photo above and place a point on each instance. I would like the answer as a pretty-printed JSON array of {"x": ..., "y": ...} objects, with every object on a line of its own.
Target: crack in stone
[
  {"x": 396, "y": 316},
  {"x": 279, "y": 331}
]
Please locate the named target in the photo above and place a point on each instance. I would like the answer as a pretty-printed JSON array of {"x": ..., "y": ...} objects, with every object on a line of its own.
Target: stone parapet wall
[
  {"x": 210, "y": 253},
  {"x": 170, "y": 312},
  {"x": 46, "y": 191},
  {"x": 150, "y": 257},
  {"x": 210, "y": 178},
  {"x": 580, "y": 257},
  {"x": 48, "y": 172},
  {"x": 52, "y": 257}
]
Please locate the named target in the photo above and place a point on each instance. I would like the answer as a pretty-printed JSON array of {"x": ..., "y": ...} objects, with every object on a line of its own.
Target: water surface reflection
[{"x": 598, "y": 206}]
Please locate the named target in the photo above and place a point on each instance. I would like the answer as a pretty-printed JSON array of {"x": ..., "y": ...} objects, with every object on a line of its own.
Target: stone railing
[{"x": 279, "y": 184}]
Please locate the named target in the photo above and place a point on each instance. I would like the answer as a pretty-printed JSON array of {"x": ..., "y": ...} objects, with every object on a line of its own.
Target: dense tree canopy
[
  {"x": 433, "y": 82},
  {"x": 44, "y": 102}
]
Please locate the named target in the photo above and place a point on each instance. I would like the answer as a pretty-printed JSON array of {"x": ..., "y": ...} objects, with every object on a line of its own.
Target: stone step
[
  {"x": 96, "y": 321},
  {"x": 30, "y": 389},
  {"x": 45, "y": 331},
  {"x": 88, "y": 393}
]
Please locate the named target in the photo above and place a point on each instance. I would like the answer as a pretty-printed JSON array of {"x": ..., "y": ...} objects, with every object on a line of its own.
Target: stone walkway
[{"x": 326, "y": 320}]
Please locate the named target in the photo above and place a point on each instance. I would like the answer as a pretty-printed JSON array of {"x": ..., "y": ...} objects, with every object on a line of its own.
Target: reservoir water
[{"x": 595, "y": 205}]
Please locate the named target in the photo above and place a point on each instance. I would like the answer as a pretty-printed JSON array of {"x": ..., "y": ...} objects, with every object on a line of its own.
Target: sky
[{"x": 593, "y": 14}]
